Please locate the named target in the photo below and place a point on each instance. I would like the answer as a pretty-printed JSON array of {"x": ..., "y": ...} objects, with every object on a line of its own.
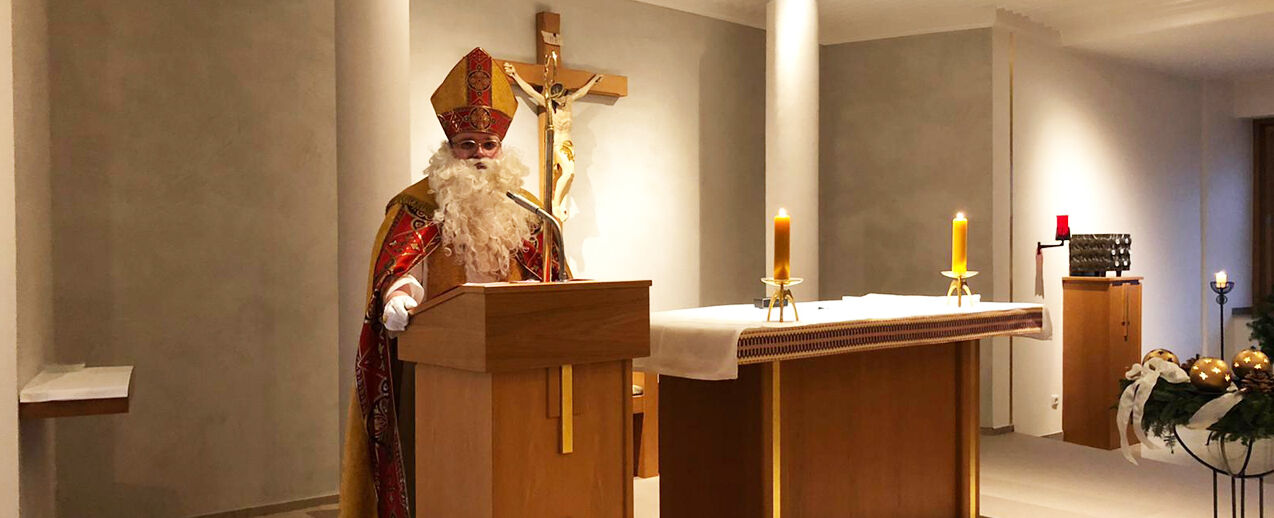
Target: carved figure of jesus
[{"x": 558, "y": 107}]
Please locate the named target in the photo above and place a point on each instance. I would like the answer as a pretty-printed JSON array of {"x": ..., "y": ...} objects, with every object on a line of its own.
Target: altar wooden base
[
  {"x": 487, "y": 443},
  {"x": 890, "y": 432}
]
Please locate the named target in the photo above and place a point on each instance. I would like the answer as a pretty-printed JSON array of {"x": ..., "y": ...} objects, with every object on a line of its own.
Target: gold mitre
[{"x": 476, "y": 96}]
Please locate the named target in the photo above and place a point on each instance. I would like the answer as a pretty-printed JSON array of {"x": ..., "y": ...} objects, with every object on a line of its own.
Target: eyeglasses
[{"x": 472, "y": 146}]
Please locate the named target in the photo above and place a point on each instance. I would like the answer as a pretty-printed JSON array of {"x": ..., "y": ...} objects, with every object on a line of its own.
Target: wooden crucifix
[
  {"x": 564, "y": 86},
  {"x": 553, "y": 89}
]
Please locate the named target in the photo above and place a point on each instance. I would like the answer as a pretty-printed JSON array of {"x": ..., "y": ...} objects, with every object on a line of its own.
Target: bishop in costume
[{"x": 454, "y": 226}]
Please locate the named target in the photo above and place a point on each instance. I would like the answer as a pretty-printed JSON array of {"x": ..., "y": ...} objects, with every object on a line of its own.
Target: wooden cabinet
[{"x": 1101, "y": 337}]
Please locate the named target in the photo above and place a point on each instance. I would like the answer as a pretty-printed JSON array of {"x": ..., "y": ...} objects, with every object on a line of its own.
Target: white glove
[{"x": 397, "y": 312}]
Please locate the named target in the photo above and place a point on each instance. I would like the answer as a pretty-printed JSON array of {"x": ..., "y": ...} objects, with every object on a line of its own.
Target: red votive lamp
[{"x": 1063, "y": 227}]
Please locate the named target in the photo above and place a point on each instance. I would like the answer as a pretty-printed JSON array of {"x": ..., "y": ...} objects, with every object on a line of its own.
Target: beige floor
[
  {"x": 645, "y": 497},
  {"x": 325, "y": 511},
  {"x": 1031, "y": 477}
]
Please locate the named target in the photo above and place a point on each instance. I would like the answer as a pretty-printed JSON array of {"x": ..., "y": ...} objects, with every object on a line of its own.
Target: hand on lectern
[{"x": 397, "y": 312}]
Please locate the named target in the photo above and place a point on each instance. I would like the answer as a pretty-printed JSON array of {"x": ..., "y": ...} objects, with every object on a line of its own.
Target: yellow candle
[
  {"x": 959, "y": 244},
  {"x": 1221, "y": 279},
  {"x": 782, "y": 245}
]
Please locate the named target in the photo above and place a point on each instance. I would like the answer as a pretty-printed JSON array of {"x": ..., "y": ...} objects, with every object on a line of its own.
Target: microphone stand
[{"x": 555, "y": 228}]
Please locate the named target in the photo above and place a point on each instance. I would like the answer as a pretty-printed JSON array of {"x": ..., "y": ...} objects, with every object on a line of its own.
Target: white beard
[{"x": 478, "y": 220}]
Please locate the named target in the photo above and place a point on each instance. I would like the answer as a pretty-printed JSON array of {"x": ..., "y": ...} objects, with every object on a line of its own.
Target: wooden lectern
[{"x": 497, "y": 367}]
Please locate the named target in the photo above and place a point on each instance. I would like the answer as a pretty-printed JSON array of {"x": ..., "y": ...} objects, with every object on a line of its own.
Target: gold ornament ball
[
  {"x": 1250, "y": 360},
  {"x": 1161, "y": 353},
  {"x": 1211, "y": 374}
]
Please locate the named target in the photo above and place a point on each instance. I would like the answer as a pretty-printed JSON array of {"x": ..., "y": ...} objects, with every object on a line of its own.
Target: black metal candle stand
[{"x": 1221, "y": 299}]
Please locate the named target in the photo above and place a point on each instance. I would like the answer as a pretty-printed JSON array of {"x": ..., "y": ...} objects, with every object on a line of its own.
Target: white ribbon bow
[
  {"x": 1214, "y": 410},
  {"x": 1132, "y": 402}
]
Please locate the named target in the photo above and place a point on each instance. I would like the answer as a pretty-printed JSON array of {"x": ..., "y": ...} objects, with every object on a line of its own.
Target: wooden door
[
  {"x": 1134, "y": 323},
  {"x": 1124, "y": 349},
  {"x": 1263, "y": 210},
  {"x": 1125, "y": 324}
]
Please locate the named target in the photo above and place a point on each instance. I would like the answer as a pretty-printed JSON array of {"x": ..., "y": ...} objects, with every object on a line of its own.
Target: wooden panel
[
  {"x": 648, "y": 445},
  {"x": 771, "y": 447},
  {"x": 531, "y": 478},
  {"x": 454, "y": 458},
  {"x": 872, "y": 434},
  {"x": 527, "y": 330},
  {"x": 877, "y": 433},
  {"x": 1086, "y": 331},
  {"x": 483, "y": 451},
  {"x": 639, "y": 401},
  {"x": 549, "y": 22},
  {"x": 1100, "y": 281},
  {"x": 1118, "y": 333},
  {"x": 968, "y": 377},
  {"x": 79, "y": 407},
  {"x": 626, "y": 478},
  {"x": 506, "y": 327},
  {"x": 1134, "y": 330},
  {"x": 1101, "y": 338},
  {"x": 610, "y": 86},
  {"x": 613, "y": 85},
  {"x": 1125, "y": 350},
  {"x": 450, "y": 334},
  {"x": 1262, "y": 209},
  {"x": 710, "y": 446}
]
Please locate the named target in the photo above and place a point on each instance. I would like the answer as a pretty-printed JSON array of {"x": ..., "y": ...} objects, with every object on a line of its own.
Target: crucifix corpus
[{"x": 554, "y": 89}]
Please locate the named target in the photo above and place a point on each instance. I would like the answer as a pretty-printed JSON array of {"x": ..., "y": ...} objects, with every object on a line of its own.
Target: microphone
[{"x": 556, "y": 227}]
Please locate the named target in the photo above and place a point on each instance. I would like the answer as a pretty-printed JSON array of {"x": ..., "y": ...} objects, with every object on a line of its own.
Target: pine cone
[
  {"x": 1185, "y": 365},
  {"x": 1258, "y": 381}
]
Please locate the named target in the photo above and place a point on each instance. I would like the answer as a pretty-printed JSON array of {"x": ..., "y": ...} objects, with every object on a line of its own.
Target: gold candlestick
[
  {"x": 782, "y": 294},
  {"x": 959, "y": 285}
]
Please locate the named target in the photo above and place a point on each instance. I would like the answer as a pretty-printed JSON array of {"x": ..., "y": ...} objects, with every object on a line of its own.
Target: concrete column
[
  {"x": 997, "y": 359},
  {"x": 791, "y": 133},
  {"x": 373, "y": 148}
]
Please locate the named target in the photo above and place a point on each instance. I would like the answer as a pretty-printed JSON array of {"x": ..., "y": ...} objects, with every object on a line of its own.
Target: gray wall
[
  {"x": 1117, "y": 147},
  {"x": 1227, "y": 214},
  {"x": 34, "y": 244},
  {"x": 194, "y": 236},
  {"x": 671, "y": 178},
  {"x": 906, "y": 143}
]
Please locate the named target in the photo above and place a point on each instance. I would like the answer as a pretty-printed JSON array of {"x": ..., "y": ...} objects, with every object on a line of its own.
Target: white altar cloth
[{"x": 704, "y": 343}]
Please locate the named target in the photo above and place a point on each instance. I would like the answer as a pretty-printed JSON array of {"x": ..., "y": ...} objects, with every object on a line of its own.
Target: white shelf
[{"x": 63, "y": 391}]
